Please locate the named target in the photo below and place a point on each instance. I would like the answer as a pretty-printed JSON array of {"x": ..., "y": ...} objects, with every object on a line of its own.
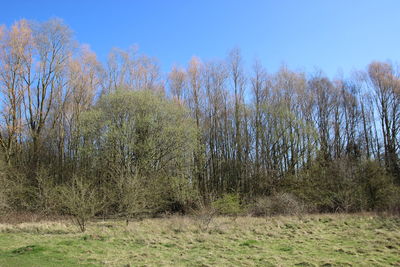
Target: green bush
[
  {"x": 228, "y": 204},
  {"x": 16, "y": 193},
  {"x": 381, "y": 192},
  {"x": 4, "y": 205},
  {"x": 82, "y": 200},
  {"x": 46, "y": 192},
  {"x": 140, "y": 145}
]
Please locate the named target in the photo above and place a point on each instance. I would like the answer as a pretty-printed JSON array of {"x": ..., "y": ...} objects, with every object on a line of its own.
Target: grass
[{"x": 312, "y": 240}]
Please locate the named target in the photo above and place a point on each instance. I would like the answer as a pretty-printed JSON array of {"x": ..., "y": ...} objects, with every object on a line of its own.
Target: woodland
[{"x": 121, "y": 139}]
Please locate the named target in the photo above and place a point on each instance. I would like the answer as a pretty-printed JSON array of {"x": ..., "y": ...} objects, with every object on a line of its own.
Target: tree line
[{"x": 129, "y": 139}]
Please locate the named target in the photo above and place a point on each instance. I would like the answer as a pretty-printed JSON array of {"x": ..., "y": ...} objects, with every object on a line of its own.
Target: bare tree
[
  {"x": 386, "y": 83},
  {"x": 238, "y": 80},
  {"x": 43, "y": 77},
  {"x": 15, "y": 51},
  {"x": 177, "y": 83},
  {"x": 194, "y": 101}
]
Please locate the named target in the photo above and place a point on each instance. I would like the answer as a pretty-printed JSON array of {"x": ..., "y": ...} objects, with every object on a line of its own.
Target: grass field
[{"x": 312, "y": 240}]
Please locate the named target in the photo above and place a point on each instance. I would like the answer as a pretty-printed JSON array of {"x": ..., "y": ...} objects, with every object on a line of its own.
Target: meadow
[{"x": 310, "y": 240}]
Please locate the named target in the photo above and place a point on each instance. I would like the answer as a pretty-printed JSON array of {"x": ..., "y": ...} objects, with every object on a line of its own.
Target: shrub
[
  {"x": 183, "y": 195},
  {"x": 228, "y": 204},
  {"x": 3, "y": 192},
  {"x": 278, "y": 204},
  {"x": 82, "y": 200},
  {"x": 46, "y": 192},
  {"x": 381, "y": 192},
  {"x": 393, "y": 202},
  {"x": 142, "y": 197},
  {"x": 337, "y": 185},
  {"x": 260, "y": 206},
  {"x": 16, "y": 194},
  {"x": 203, "y": 215},
  {"x": 3, "y": 201}
]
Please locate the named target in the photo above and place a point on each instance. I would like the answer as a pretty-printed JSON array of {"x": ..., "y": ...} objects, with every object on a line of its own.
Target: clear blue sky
[{"x": 304, "y": 34}]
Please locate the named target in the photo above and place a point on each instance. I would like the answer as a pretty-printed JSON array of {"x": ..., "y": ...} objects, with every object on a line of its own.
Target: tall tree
[
  {"x": 15, "y": 52},
  {"x": 386, "y": 83}
]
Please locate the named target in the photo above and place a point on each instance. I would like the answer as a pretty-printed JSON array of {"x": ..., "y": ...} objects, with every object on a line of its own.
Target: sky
[{"x": 336, "y": 36}]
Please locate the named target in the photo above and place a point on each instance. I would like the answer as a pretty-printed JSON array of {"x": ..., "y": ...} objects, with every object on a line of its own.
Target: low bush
[
  {"x": 203, "y": 215},
  {"x": 4, "y": 205},
  {"x": 82, "y": 200},
  {"x": 381, "y": 192},
  {"x": 46, "y": 193},
  {"x": 228, "y": 204},
  {"x": 16, "y": 194},
  {"x": 277, "y": 204}
]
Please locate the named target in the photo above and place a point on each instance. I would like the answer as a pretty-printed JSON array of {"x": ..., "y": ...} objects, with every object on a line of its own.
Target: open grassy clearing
[{"x": 313, "y": 240}]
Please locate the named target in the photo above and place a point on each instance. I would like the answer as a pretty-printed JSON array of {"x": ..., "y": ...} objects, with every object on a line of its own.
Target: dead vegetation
[{"x": 315, "y": 240}]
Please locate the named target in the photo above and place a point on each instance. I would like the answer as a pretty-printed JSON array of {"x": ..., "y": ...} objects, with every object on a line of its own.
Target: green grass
[{"x": 313, "y": 240}]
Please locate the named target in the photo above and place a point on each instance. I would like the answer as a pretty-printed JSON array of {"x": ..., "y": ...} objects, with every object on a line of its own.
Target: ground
[{"x": 312, "y": 240}]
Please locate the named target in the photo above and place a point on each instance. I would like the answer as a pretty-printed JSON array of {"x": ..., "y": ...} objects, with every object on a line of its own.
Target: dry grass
[
  {"x": 312, "y": 240},
  {"x": 24, "y": 217}
]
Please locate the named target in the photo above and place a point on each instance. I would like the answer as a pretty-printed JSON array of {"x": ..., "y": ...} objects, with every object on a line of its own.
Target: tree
[
  {"x": 258, "y": 85},
  {"x": 137, "y": 142},
  {"x": 385, "y": 83},
  {"x": 15, "y": 51},
  {"x": 194, "y": 102},
  {"x": 177, "y": 83},
  {"x": 237, "y": 78},
  {"x": 63, "y": 114},
  {"x": 44, "y": 78},
  {"x": 127, "y": 69}
]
